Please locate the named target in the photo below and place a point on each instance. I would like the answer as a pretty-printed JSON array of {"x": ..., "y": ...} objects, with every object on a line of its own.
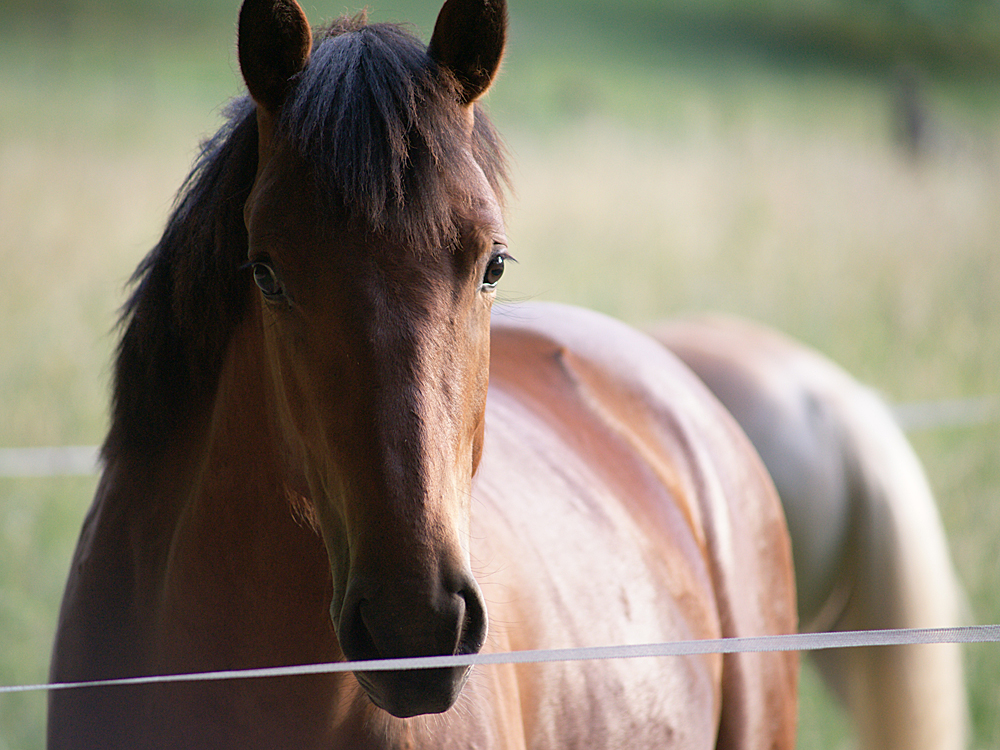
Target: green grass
[
  {"x": 39, "y": 523},
  {"x": 654, "y": 174}
]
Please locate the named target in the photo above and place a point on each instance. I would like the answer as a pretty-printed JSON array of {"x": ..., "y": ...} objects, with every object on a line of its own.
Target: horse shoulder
[
  {"x": 792, "y": 404},
  {"x": 662, "y": 477}
]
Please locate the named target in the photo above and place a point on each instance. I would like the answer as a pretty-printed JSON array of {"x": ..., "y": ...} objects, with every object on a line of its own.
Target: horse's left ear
[
  {"x": 274, "y": 45},
  {"x": 469, "y": 39}
]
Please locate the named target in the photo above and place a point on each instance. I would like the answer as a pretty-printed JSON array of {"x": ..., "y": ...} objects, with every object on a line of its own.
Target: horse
[
  {"x": 868, "y": 544},
  {"x": 326, "y": 445}
]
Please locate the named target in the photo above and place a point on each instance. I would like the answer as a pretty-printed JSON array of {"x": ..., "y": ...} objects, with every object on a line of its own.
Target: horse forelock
[{"x": 381, "y": 126}]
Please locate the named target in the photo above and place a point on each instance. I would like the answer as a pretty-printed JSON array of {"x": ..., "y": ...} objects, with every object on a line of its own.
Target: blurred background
[{"x": 828, "y": 167}]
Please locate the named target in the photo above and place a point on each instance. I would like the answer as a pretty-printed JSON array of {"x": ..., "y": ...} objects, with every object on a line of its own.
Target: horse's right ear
[
  {"x": 469, "y": 39},
  {"x": 274, "y": 45}
]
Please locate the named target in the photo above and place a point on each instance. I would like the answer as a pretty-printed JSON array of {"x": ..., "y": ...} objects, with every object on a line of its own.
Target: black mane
[{"x": 380, "y": 123}]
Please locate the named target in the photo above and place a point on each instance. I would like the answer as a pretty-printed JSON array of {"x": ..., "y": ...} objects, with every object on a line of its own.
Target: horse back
[{"x": 651, "y": 518}]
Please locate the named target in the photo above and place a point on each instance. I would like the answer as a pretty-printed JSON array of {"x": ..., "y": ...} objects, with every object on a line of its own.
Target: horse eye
[
  {"x": 493, "y": 271},
  {"x": 267, "y": 281}
]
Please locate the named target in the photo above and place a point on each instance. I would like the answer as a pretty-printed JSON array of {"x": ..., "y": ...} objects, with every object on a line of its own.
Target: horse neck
[{"x": 240, "y": 556}]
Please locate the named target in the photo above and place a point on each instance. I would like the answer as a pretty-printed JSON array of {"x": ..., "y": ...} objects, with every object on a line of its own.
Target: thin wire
[{"x": 758, "y": 644}]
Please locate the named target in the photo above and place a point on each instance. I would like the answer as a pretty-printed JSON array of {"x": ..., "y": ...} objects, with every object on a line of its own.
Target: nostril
[
  {"x": 473, "y": 634},
  {"x": 356, "y": 640},
  {"x": 400, "y": 626},
  {"x": 385, "y": 621}
]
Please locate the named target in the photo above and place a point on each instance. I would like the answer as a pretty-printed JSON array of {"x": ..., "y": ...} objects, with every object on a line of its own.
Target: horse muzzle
[{"x": 393, "y": 622}]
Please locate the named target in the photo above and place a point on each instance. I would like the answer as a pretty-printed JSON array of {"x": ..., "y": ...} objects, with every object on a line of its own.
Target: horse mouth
[{"x": 412, "y": 692}]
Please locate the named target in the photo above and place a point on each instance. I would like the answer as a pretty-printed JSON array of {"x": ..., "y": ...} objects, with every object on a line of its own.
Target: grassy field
[{"x": 656, "y": 173}]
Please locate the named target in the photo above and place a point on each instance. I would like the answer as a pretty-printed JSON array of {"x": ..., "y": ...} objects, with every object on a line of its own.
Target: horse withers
[{"x": 324, "y": 446}]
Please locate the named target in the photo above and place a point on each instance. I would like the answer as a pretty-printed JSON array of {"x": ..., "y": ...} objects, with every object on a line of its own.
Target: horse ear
[
  {"x": 469, "y": 39},
  {"x": 274, "y": 45}
]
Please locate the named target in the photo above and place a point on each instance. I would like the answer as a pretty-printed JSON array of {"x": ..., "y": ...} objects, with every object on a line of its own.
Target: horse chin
[{"x": 408, "y": 693}]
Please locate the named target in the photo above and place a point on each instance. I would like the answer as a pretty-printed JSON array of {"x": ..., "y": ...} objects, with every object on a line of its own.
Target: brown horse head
[{"x": 376, "y": 241}]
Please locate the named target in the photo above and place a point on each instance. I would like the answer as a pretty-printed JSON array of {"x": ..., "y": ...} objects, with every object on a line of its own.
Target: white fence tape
[
  {"x": 69, "y": 460},
  {"x": 794, "y": 642},
  {"x": 956, "y": 412}
]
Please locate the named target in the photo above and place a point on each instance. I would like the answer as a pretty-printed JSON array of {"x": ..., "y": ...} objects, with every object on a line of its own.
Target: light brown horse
[
  {"x": 869, "y": 546},
  {"x": 304, "y": 464}
]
